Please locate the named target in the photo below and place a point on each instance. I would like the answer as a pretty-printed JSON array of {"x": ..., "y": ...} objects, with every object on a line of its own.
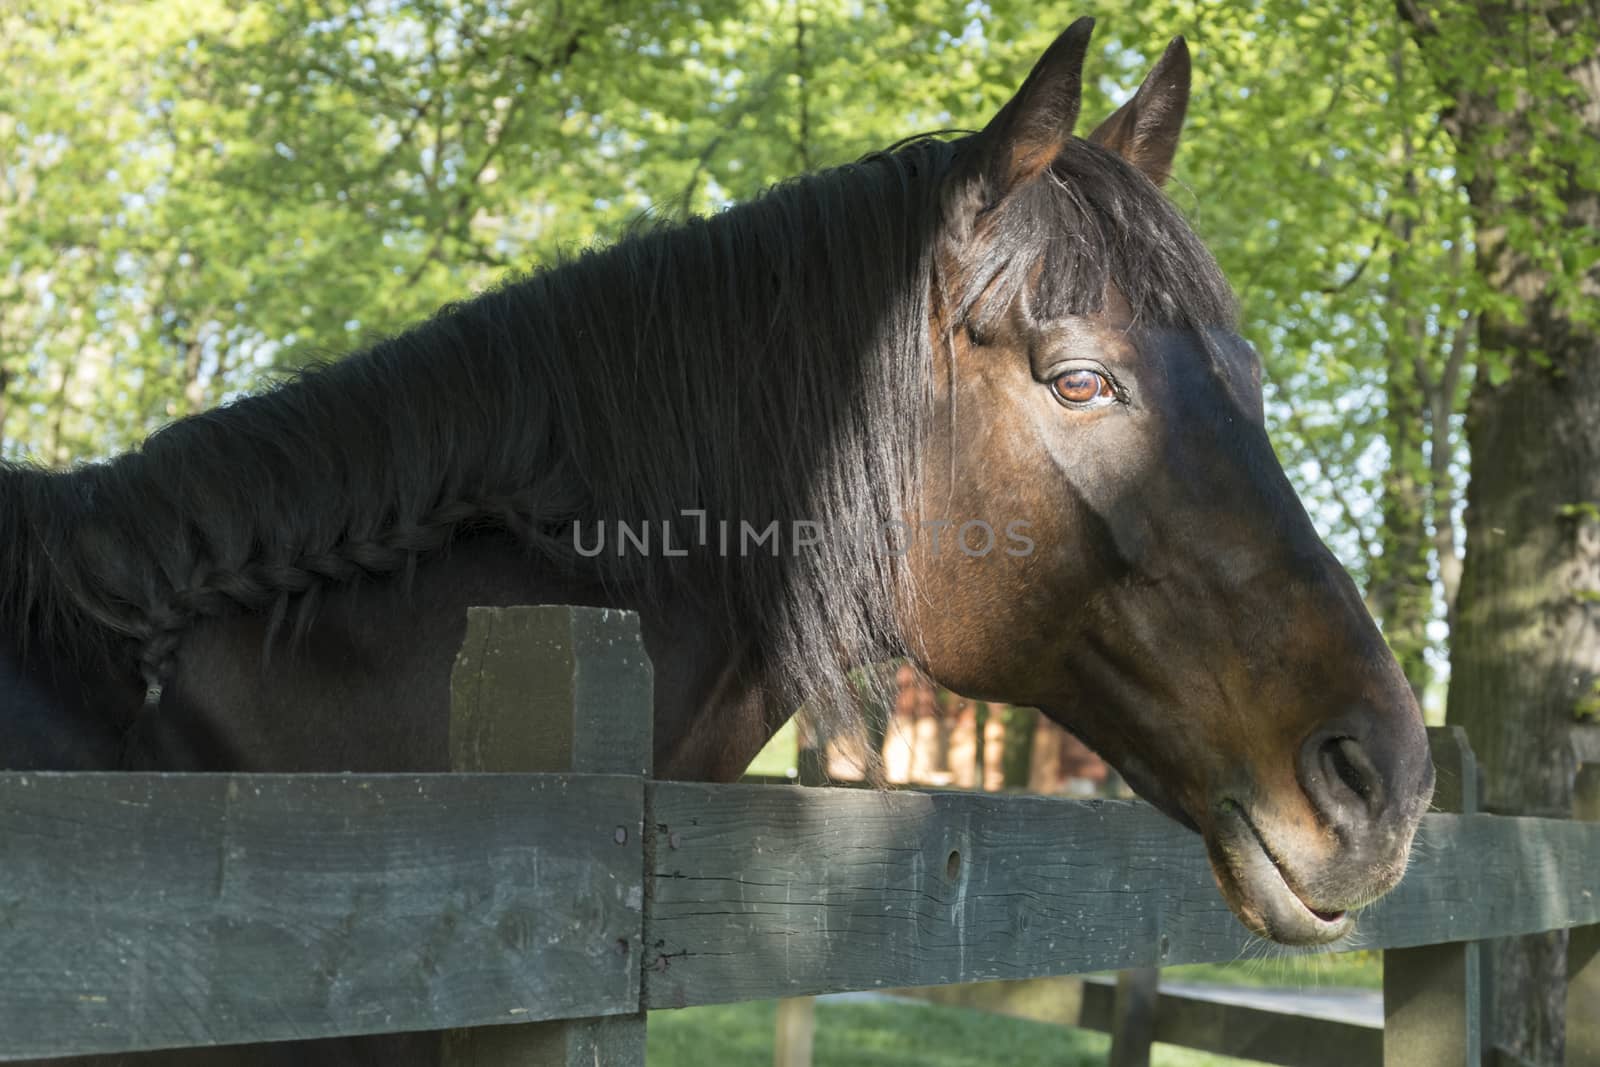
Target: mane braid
[{"x": 769, "y": 363}]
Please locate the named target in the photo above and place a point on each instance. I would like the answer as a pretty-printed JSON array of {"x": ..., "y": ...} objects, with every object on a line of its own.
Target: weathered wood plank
[
  {"x": 146, "y": 911},
  {"x": 763, "y": 892},
  {"x": 551, "y": 688},
  {"x": 1133, "y": 1014},
  {"x": 1455, "y": 783},
  {"x": 556, "y": 688},
  {"x": 1432, "y": 1000},
  {"x": 1433, "y": 995},
  {"x": 1583, "y": 948},
  {"x": 1264, "y": 1035},
  {"x": 1206, "y": 1023},
  {"x": 1583, "y": 995}
]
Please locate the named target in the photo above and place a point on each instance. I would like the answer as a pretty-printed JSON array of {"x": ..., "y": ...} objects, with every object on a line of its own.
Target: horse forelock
[{"x": 1091, "y": 223}]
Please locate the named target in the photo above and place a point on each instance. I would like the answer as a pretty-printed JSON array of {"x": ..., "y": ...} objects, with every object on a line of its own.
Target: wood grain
[
  {"x": 762, "y": 892},
  {"x": 146, "y": 911}
]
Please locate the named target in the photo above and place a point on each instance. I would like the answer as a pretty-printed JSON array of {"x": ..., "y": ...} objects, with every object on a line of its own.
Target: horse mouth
[{"x": 1259, "y": 890}]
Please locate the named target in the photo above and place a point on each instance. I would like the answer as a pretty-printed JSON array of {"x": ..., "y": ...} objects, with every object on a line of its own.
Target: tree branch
[{"x": 1361, "y": 268}]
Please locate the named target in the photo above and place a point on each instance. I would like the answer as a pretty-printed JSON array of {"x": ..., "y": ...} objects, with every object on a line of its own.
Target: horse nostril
[
  {"x": 1346, "y": 783},
  {"x": 1341, "y": 754}
]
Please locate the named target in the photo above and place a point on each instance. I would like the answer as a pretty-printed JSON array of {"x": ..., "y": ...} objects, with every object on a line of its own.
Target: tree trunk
[
  {"x": 1017, "y": 760},
  {"x": 1526, "y": 647}
]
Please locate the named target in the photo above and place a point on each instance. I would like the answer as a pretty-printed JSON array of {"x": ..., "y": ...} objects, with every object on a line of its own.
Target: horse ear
[
  {"x": 1027, "y": 134},
  {"x": 1145, "y": 130}
]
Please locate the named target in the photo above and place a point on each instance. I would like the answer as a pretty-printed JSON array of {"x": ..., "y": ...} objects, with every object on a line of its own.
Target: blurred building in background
[{"x": 936, "y": 738}]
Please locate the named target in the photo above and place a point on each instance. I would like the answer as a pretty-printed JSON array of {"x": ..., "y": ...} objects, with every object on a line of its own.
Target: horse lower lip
[{"x": 1287, "y": 915}]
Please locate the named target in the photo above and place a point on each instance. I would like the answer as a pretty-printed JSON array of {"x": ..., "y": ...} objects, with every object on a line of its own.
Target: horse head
[{"x": 1163, "y": 593}]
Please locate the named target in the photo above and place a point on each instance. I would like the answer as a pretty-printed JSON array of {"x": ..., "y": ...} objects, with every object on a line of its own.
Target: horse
[{"x": 978, "y": 401}]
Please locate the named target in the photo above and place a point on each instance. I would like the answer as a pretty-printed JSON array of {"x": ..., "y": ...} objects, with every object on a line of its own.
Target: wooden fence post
[
  {"x": 1133, "y": 1016},
  {"x": 1583, "y": 945},
  {"x": 796, "y": 1031},
  {"x": 1433, "y": 994},
  {"x": 551, "y": 689},
  {"x": 1583, "y": 995}
]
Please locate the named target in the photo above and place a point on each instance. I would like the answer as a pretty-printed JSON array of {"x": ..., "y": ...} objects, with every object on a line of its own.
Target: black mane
[{"x": 770, "y": 362}]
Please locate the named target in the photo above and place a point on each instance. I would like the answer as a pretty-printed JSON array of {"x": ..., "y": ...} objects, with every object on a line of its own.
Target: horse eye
[{"x": 1081, "y": 387}]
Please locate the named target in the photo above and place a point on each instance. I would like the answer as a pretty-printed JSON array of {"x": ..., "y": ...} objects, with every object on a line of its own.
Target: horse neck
[{"x": 61, "y": 710}]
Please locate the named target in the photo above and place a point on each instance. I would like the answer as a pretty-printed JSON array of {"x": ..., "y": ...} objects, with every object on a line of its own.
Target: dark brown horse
[{"x": 976, "y": 402}]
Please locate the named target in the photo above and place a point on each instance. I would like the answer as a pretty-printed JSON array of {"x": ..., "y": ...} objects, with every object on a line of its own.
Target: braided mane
[{"x": 772, "y": 362}]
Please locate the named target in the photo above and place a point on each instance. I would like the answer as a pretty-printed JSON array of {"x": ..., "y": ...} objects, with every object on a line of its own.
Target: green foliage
[
  {"x": 1583, "y": 509},
  {"x": 1589, "y": 705},
  {"x": 197, "y": 195}
]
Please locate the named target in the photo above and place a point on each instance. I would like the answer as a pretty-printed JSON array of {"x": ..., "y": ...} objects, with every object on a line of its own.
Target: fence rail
[
  {"x": 1215, "y": 1020},
  {"x": 142, "y": 911}
]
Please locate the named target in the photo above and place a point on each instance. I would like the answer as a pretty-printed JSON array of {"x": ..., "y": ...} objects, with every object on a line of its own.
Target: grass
[{"x": 888, "y": 1034}]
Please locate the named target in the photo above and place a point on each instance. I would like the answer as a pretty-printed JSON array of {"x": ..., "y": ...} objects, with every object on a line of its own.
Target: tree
[
  {"x": 196, "y": 196},
  {"x": 1521, "y": 87}
]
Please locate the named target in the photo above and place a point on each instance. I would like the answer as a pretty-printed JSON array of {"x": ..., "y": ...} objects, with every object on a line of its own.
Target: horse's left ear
[{"x": 1145, "y": 130}]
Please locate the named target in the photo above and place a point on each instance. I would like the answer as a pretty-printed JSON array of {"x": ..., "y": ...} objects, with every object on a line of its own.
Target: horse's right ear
[
  {"x": 1027, "y": 134},
  {"x": 1145, "y": 130}
]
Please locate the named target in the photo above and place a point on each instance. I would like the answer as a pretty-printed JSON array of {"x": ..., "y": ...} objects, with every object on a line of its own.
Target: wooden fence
[{"x": 536, "y": 907}]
